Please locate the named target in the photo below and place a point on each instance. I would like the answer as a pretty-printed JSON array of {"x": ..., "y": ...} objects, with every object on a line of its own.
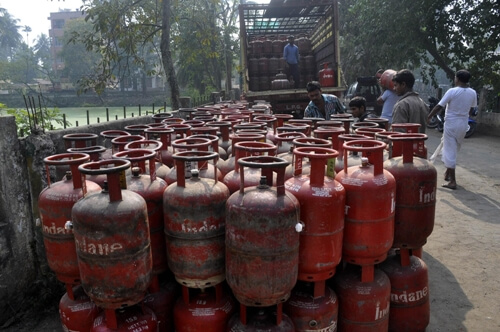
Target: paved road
[{"x": 462, "y": 253}]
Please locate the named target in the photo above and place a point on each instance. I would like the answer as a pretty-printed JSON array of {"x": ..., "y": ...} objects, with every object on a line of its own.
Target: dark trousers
[{"x": 293, "y": 70}]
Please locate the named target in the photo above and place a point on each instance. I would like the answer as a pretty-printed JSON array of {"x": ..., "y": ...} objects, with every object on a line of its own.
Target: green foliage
[
  {"x": 428, "y": 34},
  {"x": 31, "y": 119}
]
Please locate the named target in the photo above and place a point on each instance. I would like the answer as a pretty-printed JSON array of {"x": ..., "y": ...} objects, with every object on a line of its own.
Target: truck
[{"x": 264, "y": 29}]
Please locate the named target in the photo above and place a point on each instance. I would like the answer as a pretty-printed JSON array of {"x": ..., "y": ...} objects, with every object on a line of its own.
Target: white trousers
[{"x": 453, "y": 136}]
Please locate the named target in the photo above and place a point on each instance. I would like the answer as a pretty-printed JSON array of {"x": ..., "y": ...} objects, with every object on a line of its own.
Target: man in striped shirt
[{"x": 321, "y": 105}]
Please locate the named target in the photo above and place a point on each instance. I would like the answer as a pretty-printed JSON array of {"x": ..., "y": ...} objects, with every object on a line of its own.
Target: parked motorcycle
[
  {"x": 471, "y": 124},
  {"x": 433, "y": 101}
]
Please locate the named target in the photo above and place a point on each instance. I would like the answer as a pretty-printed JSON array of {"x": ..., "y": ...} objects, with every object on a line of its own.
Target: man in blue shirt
[
  {"x": 291, "y": 55},
  {"x": 321, "y": 105}
]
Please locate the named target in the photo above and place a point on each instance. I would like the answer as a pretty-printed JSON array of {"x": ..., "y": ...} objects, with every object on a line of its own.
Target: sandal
[
  {"x": 449, "y": 186},
  {"x": 447, "y": 175}
]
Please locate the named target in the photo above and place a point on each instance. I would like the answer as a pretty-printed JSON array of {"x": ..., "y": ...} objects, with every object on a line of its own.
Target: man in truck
[
  {"x": 321, "y": 105},
  {"x": 291, "y": 55}
]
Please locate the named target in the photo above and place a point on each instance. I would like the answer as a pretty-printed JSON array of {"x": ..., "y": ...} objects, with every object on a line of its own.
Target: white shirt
[{"x": 458, "y": 102}]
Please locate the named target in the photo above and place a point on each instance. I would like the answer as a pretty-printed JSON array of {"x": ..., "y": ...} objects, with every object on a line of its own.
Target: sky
[{"x": 35, "y": 13}]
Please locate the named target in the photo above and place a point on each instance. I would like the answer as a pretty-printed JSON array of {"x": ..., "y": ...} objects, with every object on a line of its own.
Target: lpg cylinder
[
  {"x": 270, "y": 121},
  {"x": 164, "y": 135},
  {"x": 112, "y": 239},
  {"x": 161, "y": 299},
  {"x": 134, "y": 318},
  {"x": 363, "y": 306},
  {"x": 312, "y": 313},
  {"x": 207, "y": 310},
  {"x": 79, "y": 140},
  {"x": 416, "y": 181},
  {"x": 410, "y": 307},
  {"x": 332, "y": 133},
  {"x": 322, "y": 204},
  {"x": 326, "y": 76},
  {"x": 419, "y": 148},
  {"x": 353, "y": 158},
  {"x": 159, "y": 117},
  {"x": 95, "y": 153},
  {"x": 77, "y": 314},
  {"x": 224, "y": 129},
  {"x": 107, "y": 136},
  {"x": 260, "y": 320},
  {"x": 194, "y": 217},
  {"x": 284, "y": 142},
  {"x": 261, "y": 236},
  {"x": 369, "y": 212},
  {"x": 118, "y": 143},
  {"x": 161, "y": 169},
  {"x": 303, "y": 142},
  {"x": 55, "y": 203},
  {"x": 145, "y": 183},
  {"x": 252, "y": 175},
  {"x": 205, "y": 169},
  {"x": 228, "y": 165}
]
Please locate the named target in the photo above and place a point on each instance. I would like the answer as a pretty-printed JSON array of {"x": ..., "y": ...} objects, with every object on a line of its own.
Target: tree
[
  {"x": 427, "y": 34},
  {"x": 10, "y": 38},
  {"x": 78, "y": 61},
  {"x": 122, "y": 31}
]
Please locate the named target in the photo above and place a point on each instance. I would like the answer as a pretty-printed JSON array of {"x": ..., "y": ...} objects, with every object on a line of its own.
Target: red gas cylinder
[
  {"x": 370, "y": 201},
  {"x": 161, "y": 299},
  {"x": 307, "y": 142},
  {"x": 419, "y": 148},
  {"x": 224, "y": 128},
  {"x": 410, "y": 307},
  {"x": 79, "y": 140},
  {"x": 55, "y": 203},
  {"x": 145, "y": 183},
  {"x": 164, "y": 135},
  {"x": 206, "y": 310},
  {"x": 161, "y": 169},
  {"x": 326, "y": 76},
  {"x": 226, "y": 166},
  {"x": 181, "y": 130},
  {"x": 137, "y": 129},
  {"x": 252, "y": 175},
  {"x": 214, "y": 139},
  {"x": 172, "y": 120},
  {"x": 118, "y": 143},
  {"x": 205, "y": 169},
  {"x": 134, "y": 318},
  {"x": 368, "y": 131},
  {"x": 363, "y": 124},
  {"x": 107, "y": 136},
  {"x": 261, "y": 237},
  {"x": 322, "y": 204},
  {"x": 311, "y": 313},
  {"x": 95, "y": 153},
  {"x": 77, "y": 314},
  {"x": 332, "y": 134},
  {"x": 159, "y": 117},
  {"x": 270, "y": 121},
  {"x": 112, "y": 239},
  {"x": 353, "y": 158},
  {"x": 285, "y": 142},
  {"x": 363, "y": 306},
  {"x": 386, "y": 79},
  {"x": 194, "y": 214},
  {"x": 416, "y": 180},
  {"x": 267, "y": 319},
  {"x": 382, "y": 122}
]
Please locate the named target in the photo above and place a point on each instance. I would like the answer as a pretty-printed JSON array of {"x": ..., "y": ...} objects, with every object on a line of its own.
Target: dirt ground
[{"x": 462, "y": 253}]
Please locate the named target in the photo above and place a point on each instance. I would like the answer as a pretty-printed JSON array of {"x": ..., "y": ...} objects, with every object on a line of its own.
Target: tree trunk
[{"x": 166, "y": 55}]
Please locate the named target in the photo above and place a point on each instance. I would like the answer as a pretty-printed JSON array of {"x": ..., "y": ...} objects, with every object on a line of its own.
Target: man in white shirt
[{"x": 459, "y": 101}]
